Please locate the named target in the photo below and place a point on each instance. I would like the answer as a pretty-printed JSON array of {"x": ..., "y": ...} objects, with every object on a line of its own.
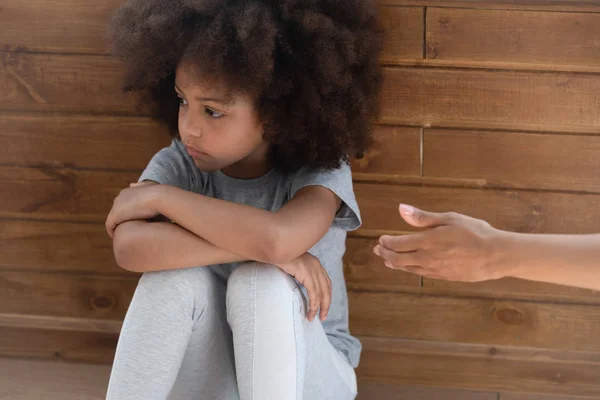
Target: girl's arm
[
  {"x": 142, "y": 246},
  {"x": 270, "y": 237}
]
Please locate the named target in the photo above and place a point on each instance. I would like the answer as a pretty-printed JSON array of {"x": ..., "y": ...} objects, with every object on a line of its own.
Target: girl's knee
[
  {"x": 253, "y": 286},
  {"x": 181, "y": 283}
]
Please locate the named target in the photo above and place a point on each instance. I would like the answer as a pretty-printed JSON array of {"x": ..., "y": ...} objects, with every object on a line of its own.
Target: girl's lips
[{"x": 194, "y": 152}]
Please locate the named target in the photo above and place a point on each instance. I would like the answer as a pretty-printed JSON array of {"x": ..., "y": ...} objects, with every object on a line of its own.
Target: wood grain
[
  {"x": 55, "y": 25},
  {"x": 473, "y": 320},
  {"x": 97, "y": 347},
  {"x": 514, "y": 289},
  {"x": 521, "y": 396},
  {"x": 44, "y": 322},
  {"x": 404, "y": 36},
  {"x": 513, "y": 36},
  {"x": 374, "y": 391},
  {"x": 54, "y": 82},
  {"x": 397, "y": 151},
  {"x": 362, "y": 267},
  {"x": 37, "y": 379},
  {"x": 65, "y": 295},
  {"x": 64, "y": 191},
  {"x": 480, "y": 367},
  {"x": 80, "y": 141},
  {"x": 57, "y": 246},
  {"x": 50, "y": 190},
  {"x": 492, "y": 99},
  {"x": 521, "y": 211},
  {"x": 531, "y": 5},
  {"x": 511, "y": 159}
]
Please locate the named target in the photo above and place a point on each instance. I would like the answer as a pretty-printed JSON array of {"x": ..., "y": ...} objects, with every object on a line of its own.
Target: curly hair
[{"x": 311, "y": 66}]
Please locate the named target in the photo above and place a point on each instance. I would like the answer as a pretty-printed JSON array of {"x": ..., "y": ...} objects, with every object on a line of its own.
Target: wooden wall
[{"x": 491, "y": 108}]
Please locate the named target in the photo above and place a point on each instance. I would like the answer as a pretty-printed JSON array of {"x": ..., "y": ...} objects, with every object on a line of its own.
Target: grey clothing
[
  {"x": 190, "y": 336},
  {"x": 173, "y": 166}
]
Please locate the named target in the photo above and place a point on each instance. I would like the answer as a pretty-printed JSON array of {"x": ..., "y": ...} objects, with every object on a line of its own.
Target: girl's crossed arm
[
  {"x": 255, "y": 234},
  {"x": 142, "y": 246},
  {"x": 281, "y": 238}
]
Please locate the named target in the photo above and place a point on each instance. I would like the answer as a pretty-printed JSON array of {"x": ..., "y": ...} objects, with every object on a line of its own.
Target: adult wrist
[{"x": 504, "y": 254}]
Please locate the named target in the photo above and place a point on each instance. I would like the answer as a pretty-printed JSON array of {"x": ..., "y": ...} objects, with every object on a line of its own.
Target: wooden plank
[
  {"x": 80, "y": 141},
  {"x": 362, "y": 267},
  {"x": 60, "y": 323},
  {"x": 480, "y": 367},
  {"x": 397, "y": 150},
  {"x": 513, "y": 36},
  {"x": 521, "y": 211},
  {"x": 50, "y": 380},
  {"x": 57, "y": 246},
  {"x": 61, "y": 190},
  {"x": 518, "y": 160},
  {"x": 514, "y": 289},
  {"x": 532, "y": 5},
  {"x": 492, "y": 65},
  {"x": 404, "y": 34},
  {"x": 97, "y": 347},
  {"x": 56, "y": 25},
  {"x": 521, "y": 396},
  {"x": 65, "y": 295},
  {"x": 378, "y": 391},
  {"x": 491, "y": 99},
  {"x": 54, "y": 82},
  {"x": 481, "y": 321}
]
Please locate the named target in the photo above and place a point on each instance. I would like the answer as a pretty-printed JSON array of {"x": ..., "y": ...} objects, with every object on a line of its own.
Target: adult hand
[{"x": 451, "y": 246}]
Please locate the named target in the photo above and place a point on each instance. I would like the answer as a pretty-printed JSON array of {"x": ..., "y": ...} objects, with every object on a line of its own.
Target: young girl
[{"x": 265, "y": 99}]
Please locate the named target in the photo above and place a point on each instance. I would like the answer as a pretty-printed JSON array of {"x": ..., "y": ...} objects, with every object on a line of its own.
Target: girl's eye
[
  {"x": 213, "y": 114},
  {"x": 182, "y": 101}
]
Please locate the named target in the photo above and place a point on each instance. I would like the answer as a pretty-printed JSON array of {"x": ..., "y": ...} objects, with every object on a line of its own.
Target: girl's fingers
[
  {"x": 325, "y": 295},
  {"x": 313, "y": 297}
]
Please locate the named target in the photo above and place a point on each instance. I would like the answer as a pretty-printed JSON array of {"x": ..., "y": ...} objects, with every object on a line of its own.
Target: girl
[{"x": 264, "y": 99}]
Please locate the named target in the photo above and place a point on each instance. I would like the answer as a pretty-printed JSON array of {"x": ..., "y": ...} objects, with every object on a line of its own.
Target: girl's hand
[
  {"x": 133, "y": 203},
  {"x": 307, "y": 270},
  {"x": 452, "y": 246}
]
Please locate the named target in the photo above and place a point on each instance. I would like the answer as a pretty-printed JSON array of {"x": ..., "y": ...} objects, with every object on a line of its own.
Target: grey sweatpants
[{"x": 189, "y": 335}]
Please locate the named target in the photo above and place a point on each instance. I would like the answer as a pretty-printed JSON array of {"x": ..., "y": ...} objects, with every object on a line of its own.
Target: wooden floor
[{"x": 35, "y": 380}]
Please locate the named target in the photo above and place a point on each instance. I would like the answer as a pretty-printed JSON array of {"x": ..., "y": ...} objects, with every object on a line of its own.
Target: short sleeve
[
  {"x": 339, "y": 181},
  {"x": 173, "y": 166}
]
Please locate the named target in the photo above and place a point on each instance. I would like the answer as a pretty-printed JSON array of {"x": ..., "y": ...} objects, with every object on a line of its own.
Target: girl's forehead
[{"x": 189, "y": 78}]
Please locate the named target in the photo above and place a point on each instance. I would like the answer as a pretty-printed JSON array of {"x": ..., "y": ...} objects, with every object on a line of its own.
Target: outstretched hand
[{"x": 450, "y": 246}]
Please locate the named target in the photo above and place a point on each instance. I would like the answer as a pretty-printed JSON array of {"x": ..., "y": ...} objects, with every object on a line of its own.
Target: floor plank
[
  {"x": 521, "y": 396},
  {"x": 374, "y": 391},
  {"x": 33, "y": 380},
  {"x": 49, "y": 380}
]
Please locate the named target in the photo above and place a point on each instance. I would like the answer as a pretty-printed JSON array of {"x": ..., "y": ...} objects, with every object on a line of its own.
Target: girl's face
[{"x": 220, "y": 132}]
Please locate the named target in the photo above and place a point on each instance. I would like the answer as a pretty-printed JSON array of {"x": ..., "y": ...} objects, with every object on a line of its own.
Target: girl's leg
[
  {"x": 278, "y": 353},
  {"x": 175, "y": 340}
]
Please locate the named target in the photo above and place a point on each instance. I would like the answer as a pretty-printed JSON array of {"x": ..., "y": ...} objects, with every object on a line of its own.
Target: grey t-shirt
[{"x": 173, "y": 166}]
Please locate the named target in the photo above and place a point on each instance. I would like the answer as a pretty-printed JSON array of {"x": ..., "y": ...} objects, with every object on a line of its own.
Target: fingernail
[
  {"x": 406, "y": 210},
  {"x": 389, "y": 264},
  {"x": 376, "y": 250}
]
